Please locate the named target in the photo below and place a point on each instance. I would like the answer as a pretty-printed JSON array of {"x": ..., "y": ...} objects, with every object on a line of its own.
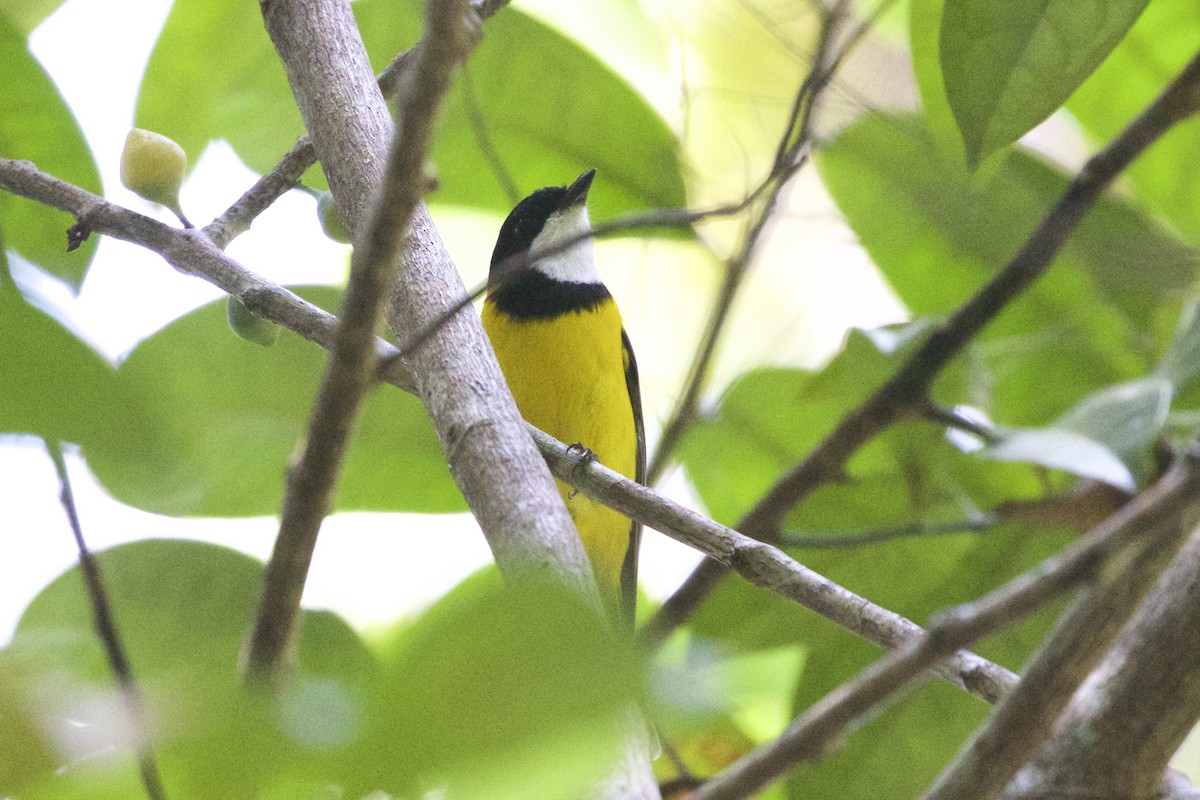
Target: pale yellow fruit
[{"x": 153, "y": 166}]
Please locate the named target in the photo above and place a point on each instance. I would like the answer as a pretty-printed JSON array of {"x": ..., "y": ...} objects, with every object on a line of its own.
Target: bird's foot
[{"x": 586, "y": 456}]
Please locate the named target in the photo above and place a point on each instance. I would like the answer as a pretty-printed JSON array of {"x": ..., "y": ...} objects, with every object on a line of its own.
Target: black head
[{"x": 526, "y": 221}]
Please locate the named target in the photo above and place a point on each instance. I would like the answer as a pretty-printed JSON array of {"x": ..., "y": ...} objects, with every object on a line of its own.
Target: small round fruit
[
  {"x": 153, "y": 166},
  {"x": 249, "y": 326},
  {"x": 332, "y": 221}
]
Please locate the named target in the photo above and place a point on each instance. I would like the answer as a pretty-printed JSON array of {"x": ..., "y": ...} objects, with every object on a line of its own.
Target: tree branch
[
  {"x": 106, "y": 631},
  {"x": 311, "y": 482},
  {"x": 1080, "y": 638},
  {"x": 764, "y": 565},
  {"x": 905, "y": 391},
  {"x": 1135, "y": 709},
  {"x": 1156, "y": 513}
]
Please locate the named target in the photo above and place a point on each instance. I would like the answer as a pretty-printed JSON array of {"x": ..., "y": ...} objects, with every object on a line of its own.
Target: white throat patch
[{"x": 575, "y": 265}]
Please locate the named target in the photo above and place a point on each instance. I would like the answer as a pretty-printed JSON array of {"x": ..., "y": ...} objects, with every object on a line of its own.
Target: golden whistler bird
[{"x": 560, "y": 342}]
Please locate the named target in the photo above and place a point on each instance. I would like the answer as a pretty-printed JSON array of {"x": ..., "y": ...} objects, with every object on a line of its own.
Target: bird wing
[{"x": 629, "y": 568}]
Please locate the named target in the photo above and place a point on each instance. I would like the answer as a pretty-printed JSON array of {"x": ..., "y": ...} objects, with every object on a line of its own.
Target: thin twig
[
  {"x": 906, "y": 390},
  {"x": 310, "y": 483},
  {"x": 483, "y": 138},
  {"x": 1154, "y": 517},
  {"x": 980, "y": 524},
  {"x": 106, "y": 631},
  {"x": 790, "y": 156},
  {"x": 286, "y": 174}
]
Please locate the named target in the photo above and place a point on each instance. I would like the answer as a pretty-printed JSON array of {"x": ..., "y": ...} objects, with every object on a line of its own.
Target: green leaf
[
  {"x": 1107, "y": 436},
  {"x": 529, "y": 707},
  {"x": 28, "y": 754},
  {"x": 1181, "y": 362},
  {"x": 36, "y": 125},
  {"x": 551, "y": 109},
  {"x": 57, "y": 386},
  {"x": 223, "y": 417},
  {"x": 938, "y": 234},
  {"x": 1065, "y": 450},
  {"x": 25, "y": 15},
  {"x": 1008, "y": 66},
  {"x": 925, "y": 35},
  {"x": 1165, "y": 178},
  {"x": 182, "y": 610}
]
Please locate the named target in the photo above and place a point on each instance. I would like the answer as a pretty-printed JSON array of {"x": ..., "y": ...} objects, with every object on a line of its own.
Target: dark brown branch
[
  {"x": 1154, "y": 516},
  {"x": 106, "y": 631},
  {"x": 311, "y": 482},
  {"x": 905, "y": 392}
]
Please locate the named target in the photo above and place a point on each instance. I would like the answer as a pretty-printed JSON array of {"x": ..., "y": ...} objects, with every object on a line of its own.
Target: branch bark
[
  {"x": 1079, "y": 640},
  {"x": 1134, "y": 710},
  {"x": 312, "y": 480}
]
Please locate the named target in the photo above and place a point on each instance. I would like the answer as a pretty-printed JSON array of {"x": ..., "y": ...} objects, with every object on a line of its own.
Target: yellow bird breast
[{"x": 567, "y": 374}]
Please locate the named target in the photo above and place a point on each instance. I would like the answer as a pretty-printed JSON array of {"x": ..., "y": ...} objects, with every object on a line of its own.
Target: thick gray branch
[
  {"x": 1082, "y": 635},
  {"x": 311, "y": 482},
  {"x": 1134, "y": 711}
]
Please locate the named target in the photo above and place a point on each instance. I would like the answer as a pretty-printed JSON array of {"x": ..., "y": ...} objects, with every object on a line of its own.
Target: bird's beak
[{"x": 577, "y": 192}]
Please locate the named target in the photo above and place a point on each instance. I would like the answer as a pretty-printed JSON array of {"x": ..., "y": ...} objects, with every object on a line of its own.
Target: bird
[{"x": 564, "y": 352}]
